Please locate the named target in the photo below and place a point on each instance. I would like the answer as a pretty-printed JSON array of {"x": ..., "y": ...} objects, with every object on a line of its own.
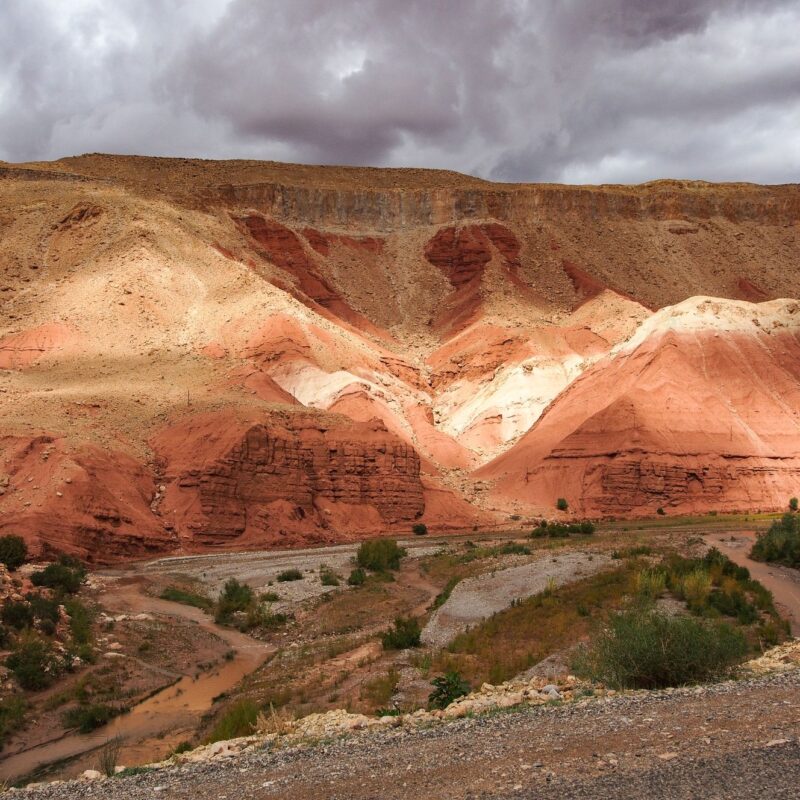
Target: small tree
[
  {"x": 34, "y": 663},
  {"x": 13, "y": 551},
  {"x": 793, "y": 504},
  {"x": 419, "y": 529},
  {"x": 379, "y": 555},
  {"x": 562, "y": 504},
  {"x": 446, "y": 688},
  {"x": 405, "y": 633},
  {"x": 357, "y": 577}
]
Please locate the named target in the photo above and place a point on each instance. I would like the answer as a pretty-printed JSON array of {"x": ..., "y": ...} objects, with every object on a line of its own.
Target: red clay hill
[{"x": 201, "y": 355}]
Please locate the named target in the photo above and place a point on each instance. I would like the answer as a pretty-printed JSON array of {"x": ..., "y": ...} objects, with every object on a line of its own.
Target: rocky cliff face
[
  {"x": 307, "y": 354},
  {"x": 229, "y": 481}
]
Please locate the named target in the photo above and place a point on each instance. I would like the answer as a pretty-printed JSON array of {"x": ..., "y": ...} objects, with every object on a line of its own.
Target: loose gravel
[
  {"x": 475, "y": 599},
  {"x": 734, "y": 740}
]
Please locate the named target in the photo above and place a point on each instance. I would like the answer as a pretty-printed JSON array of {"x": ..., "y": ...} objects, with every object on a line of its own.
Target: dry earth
[{"x": 206, "y": 356}]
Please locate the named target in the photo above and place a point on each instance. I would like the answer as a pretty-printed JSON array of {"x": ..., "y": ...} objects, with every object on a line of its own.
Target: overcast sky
[{"x": 580, "y": 91}]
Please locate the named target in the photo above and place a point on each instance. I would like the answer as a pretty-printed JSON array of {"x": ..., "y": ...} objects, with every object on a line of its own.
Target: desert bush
[
  {"x": 446, "y": 688},
  {"x": 12, "y": 716},
  {"x": 64, "y": 576},
  {"x": 695, "y": 588},
  {"x": 643, "y": 649},
  {"x": 379, "y": 555},
  {"x": 793, "y": 504},
  {"x": 650, "y": 583},
  {"x": 419, "y": 529},
  {"x": 44, "y": 608},
  {"x": 357, "y": 577},
  {"x": 558, "y": 530},
  {"x": 34, "y": 663},
  {"x": 177, "y": 595},
  {"x": 239, "y": 720},
  {"x": 17, "y": 614},
  {"x": 258, "y": 616},
  {"x": 328, "y": 577},
  {"x": 444, "y": 595},
  {"x": 781, "y": 542},
  {"x": 109, "y": 754},
  {"x": 403, "y": 634},
  {"x": 13, "y": 551},
  {"x": 562, "y": 504},
  {"x": 234, "y": 597},
  {"x": 87, "y": 718},
  {"x": 290, "y": 575}
]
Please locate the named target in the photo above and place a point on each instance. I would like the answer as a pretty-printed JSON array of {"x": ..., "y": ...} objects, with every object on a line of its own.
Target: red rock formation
[
  {"x": 20, "y": 350},
  {"x": 689, "y": 419},
  {"x": 233, "y": 482},
  {"x": 83, "y": 501}
]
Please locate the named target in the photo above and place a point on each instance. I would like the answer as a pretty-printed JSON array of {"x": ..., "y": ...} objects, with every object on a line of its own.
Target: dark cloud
[{"x": 563, "y": 90}]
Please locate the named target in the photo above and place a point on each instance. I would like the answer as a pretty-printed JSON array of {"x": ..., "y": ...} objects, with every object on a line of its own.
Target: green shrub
[
  {"x": 80, "y": 622},
  {"x": 44, "y": 608},
  {"x": 513, "y": 549},
  {"x": 419, "y": 529},
  {"x": 379, "y": 555},
  {"x": 562, "y": 504},
  {"x": 660, "y": 511},
  {"x": 404, "y": 634},
  {"x": 87, "y": 718},
  {"x": 643, "y": 649},
  {"x": 793, "y": 503},
  {"x": 234, "y": 597},
  {"x": 17, "y": 614},
  {"x": 177, "y": 595},
  {"x": 12, "y": 716},
  {"x": 269, "y": 597},
  {"x": 238, "y": 720},
  {"x": 328, "y": 577},
  {"x": 558, "y": 530},
  {"x": 650, "y": 583},
  {"x": 13, "y": 551},
  {"x": 357, "y": 577},
  {"x": 257, "y": 616},
  {"x": 781, "y": 542},
  {"x": 695, "y": 587},
  {"x": 444, "y": 595},
  {"x": 290, "y": 575},
  {"x": 34, "y": 663},
  {"x": 446, "y": 688},
  {"x": 64, "y": 576}
]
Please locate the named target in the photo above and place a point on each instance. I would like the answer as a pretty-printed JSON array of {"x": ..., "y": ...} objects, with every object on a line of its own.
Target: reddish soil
[{"x": 383, "y": 334}]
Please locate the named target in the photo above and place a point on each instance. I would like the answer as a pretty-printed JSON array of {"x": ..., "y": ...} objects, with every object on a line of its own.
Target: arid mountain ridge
[{"x": 199, "y": 355}]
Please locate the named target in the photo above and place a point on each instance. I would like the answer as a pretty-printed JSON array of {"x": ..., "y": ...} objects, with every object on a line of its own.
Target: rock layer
[{"x": 298, "y": 353}]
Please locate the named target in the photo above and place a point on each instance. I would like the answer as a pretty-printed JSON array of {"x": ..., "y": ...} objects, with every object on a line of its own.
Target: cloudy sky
[{"x": 580, "y": 91}]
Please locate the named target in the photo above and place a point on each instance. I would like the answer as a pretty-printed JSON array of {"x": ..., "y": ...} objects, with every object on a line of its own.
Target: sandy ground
[{"x": 475, "y": 599}]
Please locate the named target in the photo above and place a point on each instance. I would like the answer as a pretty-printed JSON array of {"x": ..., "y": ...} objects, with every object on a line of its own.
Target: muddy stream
[
  {"x": 153, "y": 727},
  {"x": 783, "y": 582}
]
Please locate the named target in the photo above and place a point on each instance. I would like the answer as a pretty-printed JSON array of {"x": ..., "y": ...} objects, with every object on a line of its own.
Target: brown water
[
  {"x": 783, "y": 582},
  {"x": 153, "y": 727}
]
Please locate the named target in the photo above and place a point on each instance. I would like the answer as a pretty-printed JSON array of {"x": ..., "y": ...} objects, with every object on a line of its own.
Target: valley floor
[{"x": 731, "y": 740}]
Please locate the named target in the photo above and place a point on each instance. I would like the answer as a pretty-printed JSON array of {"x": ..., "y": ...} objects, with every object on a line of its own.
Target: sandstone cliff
[{"x": 362, "y": 340}]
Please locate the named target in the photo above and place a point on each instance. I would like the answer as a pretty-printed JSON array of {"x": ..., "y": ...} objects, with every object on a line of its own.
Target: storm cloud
[{"x": 581, "y": 91}]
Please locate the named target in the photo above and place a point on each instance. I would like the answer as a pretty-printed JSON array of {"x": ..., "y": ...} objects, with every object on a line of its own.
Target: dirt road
[{"x": 783, "y": 582}]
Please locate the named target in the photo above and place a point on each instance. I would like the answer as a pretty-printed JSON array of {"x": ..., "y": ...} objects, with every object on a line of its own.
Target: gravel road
[
  {"x": 732, "y": 740},
  {"x": 476, "y": 599}
]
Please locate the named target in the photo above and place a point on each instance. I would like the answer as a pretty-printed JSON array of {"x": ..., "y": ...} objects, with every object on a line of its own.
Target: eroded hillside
[{"x": 234, "y": 354}]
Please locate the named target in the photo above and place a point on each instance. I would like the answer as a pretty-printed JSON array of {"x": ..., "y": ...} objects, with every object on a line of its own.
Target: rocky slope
[{"x": 205, "y": 354}]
